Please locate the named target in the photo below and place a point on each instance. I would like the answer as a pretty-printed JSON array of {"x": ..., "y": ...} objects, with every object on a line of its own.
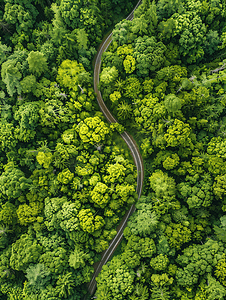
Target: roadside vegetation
[
  {"x": 65, "y": 181},
  {"x": 163, "y": 78}
]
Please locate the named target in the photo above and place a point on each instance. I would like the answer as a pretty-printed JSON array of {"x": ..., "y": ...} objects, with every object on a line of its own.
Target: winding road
[{"x": 135, "y": 154}]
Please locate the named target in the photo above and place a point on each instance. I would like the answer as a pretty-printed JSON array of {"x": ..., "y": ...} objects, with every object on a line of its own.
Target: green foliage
[
  {"x": 25, "y": 251},
  {"x": 78, "y": 258},
  {"x": 65, "y": 182},
  {"x": 116, "y": 280},
  {"x": 196, "y": 192},
  {"x": 68, "y": 74},
  {"x": 221, "y": 231},
  {"x": 37, "y": 63},
  {"x": 159, "y": 263},
  {"x": 93, "y": 130},
  {"x": 13, "y": 182},
  {"x": 162, "y": 184},
  {"x": 149, "y": 55},
  {"x": 29, "y": 213},
  {"x": 144, "y": 220},
  {"x": 8, "y": 215},
  {"x": 177, "y": 235},
  {"x": 178, "y": 134},
  {"x": 56, "y": 261},
  {"x": 11, "y": 76},
  {"x": 172, "y": 103},
  {"x": 211, "y": 289},
  {"x": 191, "y": 32},
  {"x": 120, "y": 32},
  {"x": 198, "y": 260},
  {"x": 220, "y": 271},
  {"x": 38, "y": 276},
  {"x": 108, "y": 75},
  {"x": 129, "y": 64},
  {"x": 88, "y": 222}
]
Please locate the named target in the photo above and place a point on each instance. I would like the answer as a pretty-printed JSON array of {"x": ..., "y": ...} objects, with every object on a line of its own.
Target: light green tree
[{"x": 37, "y": 63}]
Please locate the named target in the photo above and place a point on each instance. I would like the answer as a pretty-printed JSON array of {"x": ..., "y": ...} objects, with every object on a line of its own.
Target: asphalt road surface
[{"x": 135, "y": 154}]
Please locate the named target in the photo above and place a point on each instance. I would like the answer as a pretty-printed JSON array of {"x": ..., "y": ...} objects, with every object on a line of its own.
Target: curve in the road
[{"x": 133, "y": 149}]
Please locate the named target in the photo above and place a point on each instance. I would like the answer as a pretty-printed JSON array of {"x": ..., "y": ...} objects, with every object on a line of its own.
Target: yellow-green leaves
[
  {"x": 37, "y": 63},
  {"x": 125, "y": 50},
  {"x": 108, "y": 75},
  {"x": 162, "y": 184},
  {"x": 68, "y": 74},
  {"x": 100, "y": 195},
  {"x": 129, "y": 64},
  {"x": 177, "y": 235},
  {"x": 178, "y": 135},
  {"x": 28, "y": 213},
  {"x": 88, "y": 222},
  {"x": 93, "y": 130},
  {"x": 220, "y": 271},
  {"x": 65, "y": 176},
  {"x": 171, "y": 161},
  {"x": 44, "y": 159},
  {"x": 114, "y": 97}
]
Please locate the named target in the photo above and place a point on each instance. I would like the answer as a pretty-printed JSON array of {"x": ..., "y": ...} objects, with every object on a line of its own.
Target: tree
[
  {"x": 140, "y": 25},
  {"x": 56, "y": 261},
  {"x": 8, "y": 215},
  {"x": 140, "y": 293},
  {"x": 129, "y": 64},
  {"x": 82, "y": 38},
  {"x": 143, "y": 247},
  {"x": 166, "y": 9},
  {"x": 68, "y": 74},
  {"x": 212, "y": 289},
  {"x": 93, "y": 130},
  {"x": 132, "y": 88},
  {"x": 13, "y": 182},
  {"x": 65, "y": 285},
  {"x": 37, "y": 63},
  {"x": 114, "y": 97},
  {"x": 38, "y": 276},
  {"x": 108, "y": 75},
  {"x": 29, "y": 213},
  {"x": 149, "y": 54},
  {"x": 178, "y": 134},
  {"x": 100, "y": 195},
  {"x": 28, "y": 84},
  {"x": 159, "y": 263},
  {"x": 144, "y": 220},
  {"x": 78, "y": 258},
  {"x": 52, "y": 207},
  {"x": 25, "y": 251},
  {"x": 116, "y": 280},
  {"x": 221, "y": 231},
  {"x": 88, "y": 222},
  {"x": 220, "y": 270},
  {"x": 162, "y": 184},
  {"x": 27, "y": 116},
  {"x": 124, "y": 111},
  {"x": 196, "y": 261},
  {"x": 197, "y": 192},
  {"x": 191, "y": 34},
  {"x": 177, "y": 235},
  {"x": 11, "y": 76},
  {"x": 4, "y": 50},
  {"x": 120, "y": 33},
  {"x": 172, "y": 103}
]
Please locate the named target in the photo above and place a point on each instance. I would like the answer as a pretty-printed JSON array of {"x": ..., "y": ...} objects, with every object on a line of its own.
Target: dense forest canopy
[
  {"x": 163, "y": 77},
  {"x": 65, "y": 179}
]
